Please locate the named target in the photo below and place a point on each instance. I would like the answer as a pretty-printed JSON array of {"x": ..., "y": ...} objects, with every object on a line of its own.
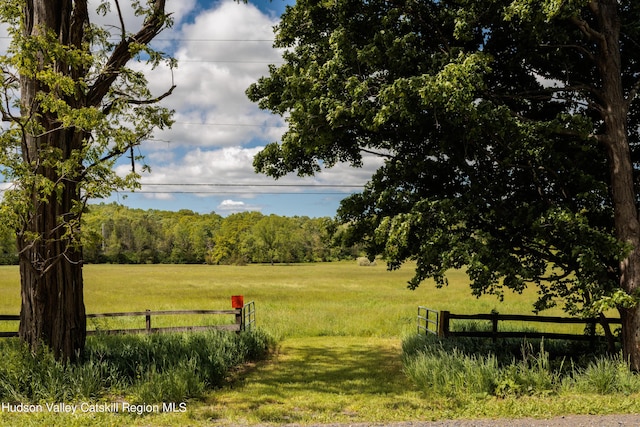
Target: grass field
[
  {"x": 336, "y": 299},
  {"x": 339, "y": 327}
]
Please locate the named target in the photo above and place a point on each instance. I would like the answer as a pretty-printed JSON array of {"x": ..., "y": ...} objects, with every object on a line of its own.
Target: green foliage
[
  {"x": 453, "y": 374},
  {"x": 71, "y": 75},
  {"x": 144, "y": 369},
  {"x": 116, "y": 234},
  {"x": 8, "y": 249},
  {"x": 72, "y": 104},
  {"x": 470, "y": 368},
  {"x": 489, "y": 117},
  {"x": 605, "y": 375},
  {"x": 36, "y": 377}
]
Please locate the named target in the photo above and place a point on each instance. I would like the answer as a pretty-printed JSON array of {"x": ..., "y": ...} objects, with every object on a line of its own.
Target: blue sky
[{"x": 204, "y": 162}]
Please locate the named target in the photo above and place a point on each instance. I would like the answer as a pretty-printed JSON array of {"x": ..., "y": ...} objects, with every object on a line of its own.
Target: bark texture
[
  {"x": 614, "y": 111},
  {"x": 53, "y": 311}
]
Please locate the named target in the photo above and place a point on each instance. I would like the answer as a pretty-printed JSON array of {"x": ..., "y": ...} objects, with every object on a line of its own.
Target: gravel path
[{"x": 564, "y": 421}]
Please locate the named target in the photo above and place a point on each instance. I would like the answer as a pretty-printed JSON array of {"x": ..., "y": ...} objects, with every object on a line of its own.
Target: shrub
[{"x": 364, "y": 262}]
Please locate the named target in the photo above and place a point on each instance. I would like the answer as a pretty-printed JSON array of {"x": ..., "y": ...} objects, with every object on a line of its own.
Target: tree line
[{"x": 113, "y": 233}]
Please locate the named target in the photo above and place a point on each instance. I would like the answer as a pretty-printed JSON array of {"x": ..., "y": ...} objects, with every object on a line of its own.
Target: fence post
[
  {"x": 239, "y": 316},
  {"x": 494, "y": 325},
  {"x": 147, "y": 319},
  {"x": 592, "y": 334},
  {"x": 237, "y": 302},
  {"x": 443, "y": 324}
]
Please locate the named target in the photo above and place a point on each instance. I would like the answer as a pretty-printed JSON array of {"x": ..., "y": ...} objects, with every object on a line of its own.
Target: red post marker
[{"x": 237, "y": 301}]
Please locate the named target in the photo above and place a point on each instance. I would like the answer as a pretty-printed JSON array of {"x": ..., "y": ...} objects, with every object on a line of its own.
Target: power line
[
  {"x": 211, "y": 40},
  {"x": 228, "y": 124},
  {"x": 184, "y": 40},
  {"x": 187, "y": 184},
  {"x": 205, "y": 188},
  {"x": 234, "y": 61},
  {"x": 270, "y": 193}
]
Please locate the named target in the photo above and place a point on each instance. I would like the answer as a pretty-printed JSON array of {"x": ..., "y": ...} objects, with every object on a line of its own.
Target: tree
[
  {"x": 274, "y": 238},
  {"x": 229, "y": 240},
  {"x": 8, "y": 253},
  {"x": 510, "y": 133},
  {"x": 73, "y": 108}
]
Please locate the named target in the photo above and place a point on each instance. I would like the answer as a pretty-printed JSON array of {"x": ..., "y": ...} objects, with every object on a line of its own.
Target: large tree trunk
[
  {"x": 56, "y": 77},
  {"x": 628, "y": 231},
  {"x": 614, "y": 110},
  {"x": 53, "y": 311}
]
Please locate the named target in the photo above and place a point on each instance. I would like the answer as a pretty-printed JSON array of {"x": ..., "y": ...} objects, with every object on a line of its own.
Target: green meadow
[
  {"x": 339, "y": 331},
  {"x": 302, "y": 300}
]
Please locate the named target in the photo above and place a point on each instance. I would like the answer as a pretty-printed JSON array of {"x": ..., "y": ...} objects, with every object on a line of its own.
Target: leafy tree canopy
[{"x": 492, "y": 119}]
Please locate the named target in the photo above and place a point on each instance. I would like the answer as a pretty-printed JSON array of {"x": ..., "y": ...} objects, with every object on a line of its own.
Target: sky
[{"x": 204, "y": 162}]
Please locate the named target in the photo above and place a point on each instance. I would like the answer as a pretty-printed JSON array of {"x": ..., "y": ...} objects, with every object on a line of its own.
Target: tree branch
[
  {"x": 111, "y": 155},
  {"x": 123, "y": 54},
  {"x": 123, "y": 31},
  {"x": 633, "y": 92},
  {"x": 375, "y": 153},
  {"x": 584, "y": 26},
  {"x": 575, "y": 47},
  {"x": 107, "y": 109}
]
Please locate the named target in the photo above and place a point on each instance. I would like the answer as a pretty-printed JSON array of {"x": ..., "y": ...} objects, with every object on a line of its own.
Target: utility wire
[
  {"x": 230, "y": 61},
  {"x": 242, "y": 188},
  {"x": 185, "y": 40},
  {"x": 227, "y": 124},
  {"x": 270, "y": 193},
  {"x": 187, "y": 184}
]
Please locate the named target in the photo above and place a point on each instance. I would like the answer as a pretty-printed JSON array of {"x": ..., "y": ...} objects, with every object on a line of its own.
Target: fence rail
[
  {"x": 245, "y": 318},
  {"x": 9, "y": 317},
  {"x": 439, "y": 323}
]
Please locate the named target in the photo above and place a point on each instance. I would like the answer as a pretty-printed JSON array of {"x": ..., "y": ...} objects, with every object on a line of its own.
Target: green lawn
[{"x": 339, "y": 327}]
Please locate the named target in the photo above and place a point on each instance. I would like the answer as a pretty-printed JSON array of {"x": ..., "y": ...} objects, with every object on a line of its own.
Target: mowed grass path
[
  {"x": 338, "y": 326},
  {"x": 347, "y": 380},
  {"x": 322, "y": 380}
]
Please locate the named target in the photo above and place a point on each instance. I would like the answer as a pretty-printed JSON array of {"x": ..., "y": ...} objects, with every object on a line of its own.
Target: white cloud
[
  {"x": 5, "y": 39},
  {"x": 229, "y": 206},
  {"x": 178, "y": 10},
  {"x": 221, "y": 47},
  {"x": 220, "y": 54},
  {"x": 218, "y": 130},
  {"x": 230, "y": 169}
]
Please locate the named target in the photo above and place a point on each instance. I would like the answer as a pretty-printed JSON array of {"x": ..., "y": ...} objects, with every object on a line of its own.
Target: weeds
[
  {"x": 145, "y": 368},
  {"x": 604, "y": 375},
  {"x": 472, "y": 367}
]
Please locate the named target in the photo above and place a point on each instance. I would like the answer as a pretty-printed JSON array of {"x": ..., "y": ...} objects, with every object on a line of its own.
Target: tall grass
[
  {"x": 468, "y": 368},
  {"x": 145, "y": 368}
]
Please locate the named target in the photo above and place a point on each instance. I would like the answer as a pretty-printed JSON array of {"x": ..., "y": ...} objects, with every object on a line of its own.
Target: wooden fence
[
  {"x": 439, "y": 323},
  {"x": 244, "y": 319}
]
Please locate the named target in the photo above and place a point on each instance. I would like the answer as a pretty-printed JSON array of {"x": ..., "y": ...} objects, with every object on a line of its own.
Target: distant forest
[{"x": 113, "y": 233}]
